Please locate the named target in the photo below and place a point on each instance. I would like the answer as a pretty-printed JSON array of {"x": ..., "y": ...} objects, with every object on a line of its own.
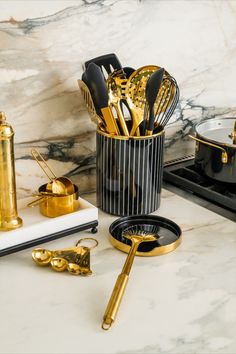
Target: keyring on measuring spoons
[{"x": 88, "y": 239}]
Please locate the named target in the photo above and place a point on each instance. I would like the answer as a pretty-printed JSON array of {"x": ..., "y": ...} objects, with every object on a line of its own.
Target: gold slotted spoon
[
  {"x": 133, "y": 91},
  {"x": 135, "y": 94}
]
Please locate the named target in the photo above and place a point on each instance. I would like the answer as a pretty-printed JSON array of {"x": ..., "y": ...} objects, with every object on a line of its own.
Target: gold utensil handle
[
  {"x": 43, "y": 164},
  {"x": 50, "y": 194},
  {"x": 136, "y": 122},
  {"x": 115, "y": 300},
  {"x": 89, "y": 102},
  {"x": 224, "y": 155},
  {"x": 148, "y": 132},
  {"x": 38, "y": 201},
  {"x": 121, "y": 120},
  {"x": 110, "y": 121}
]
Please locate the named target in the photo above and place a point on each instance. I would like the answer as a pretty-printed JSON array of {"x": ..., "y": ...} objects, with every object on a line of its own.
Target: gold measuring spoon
[
  {"x": 58, "y": 185},
  {"x": 136, "y": 237},
  {"x": 76, "y": 260},
  {"x": 42, "y": 256}
]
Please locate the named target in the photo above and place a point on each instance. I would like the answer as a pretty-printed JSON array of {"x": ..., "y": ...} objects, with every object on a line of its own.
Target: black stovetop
[{"x": 183, "y": 174}]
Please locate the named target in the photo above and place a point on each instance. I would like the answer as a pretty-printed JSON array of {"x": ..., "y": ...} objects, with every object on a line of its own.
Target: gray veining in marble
[
  {"x": 43, "y": 46},
  {"x": 180, "y": 302}
]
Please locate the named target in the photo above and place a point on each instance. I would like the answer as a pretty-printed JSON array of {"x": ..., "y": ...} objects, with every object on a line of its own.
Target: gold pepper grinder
[{"x": 9, "y": 218}]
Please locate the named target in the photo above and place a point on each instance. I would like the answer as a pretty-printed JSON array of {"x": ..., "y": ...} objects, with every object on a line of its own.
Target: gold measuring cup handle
[
  {"x": 44, "y": 196},
  {"x": 43, "y": 164},
  {"x": 59, "y": 185},
  {"x": 39, "y": 201}
]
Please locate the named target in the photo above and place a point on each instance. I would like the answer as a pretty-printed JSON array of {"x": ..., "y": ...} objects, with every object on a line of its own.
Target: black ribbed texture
[{"x": 129, "y": 174}]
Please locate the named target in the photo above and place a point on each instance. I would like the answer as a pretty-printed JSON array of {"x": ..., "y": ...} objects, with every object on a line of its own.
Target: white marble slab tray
[{"x": 38, "y": 228}]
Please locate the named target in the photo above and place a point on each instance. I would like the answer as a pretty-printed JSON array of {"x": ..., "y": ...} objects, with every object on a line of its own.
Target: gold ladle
[{"x": 136, "y": 237}]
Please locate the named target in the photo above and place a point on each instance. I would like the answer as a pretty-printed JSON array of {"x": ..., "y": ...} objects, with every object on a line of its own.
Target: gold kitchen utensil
[
  {"x": 115, "y": 101},
  {"x": 38, "y": 201},
  {"x": 133, "y": 91},
  {"x": 166, "y": 102},
  {"x": 9, "y": 218},
  {"x": 96, "y": 79},
  {"x": 135, "y": 94},
  {"x": 58, "y": 185},
  {"x": 104, "y": 124},
  {"x": 76, "y": 260},
  {"x": 136, "y": 237},
  {"x": 42, "y": 197},
  {"x": 53, "y": 206},
  {"x": 96, "y": 118},
  {"x": 110, "y": 121}
]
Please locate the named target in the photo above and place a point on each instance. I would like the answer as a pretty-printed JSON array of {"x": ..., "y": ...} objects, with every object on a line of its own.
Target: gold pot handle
[{"x": 224, "y": 154}]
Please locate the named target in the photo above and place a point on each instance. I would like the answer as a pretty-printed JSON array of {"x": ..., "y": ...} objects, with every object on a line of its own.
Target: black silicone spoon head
[
  {"x": 152, "y": 89},
  {"x": 153, "y": 85},
  {"x": 97, "y": 84}
]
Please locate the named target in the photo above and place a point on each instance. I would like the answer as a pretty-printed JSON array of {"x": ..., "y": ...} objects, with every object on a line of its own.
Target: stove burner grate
[{"x": 183, "y": 174}]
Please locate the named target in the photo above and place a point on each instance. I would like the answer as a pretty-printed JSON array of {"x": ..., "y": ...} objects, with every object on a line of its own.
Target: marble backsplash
[{"x": 43, "y": 45}]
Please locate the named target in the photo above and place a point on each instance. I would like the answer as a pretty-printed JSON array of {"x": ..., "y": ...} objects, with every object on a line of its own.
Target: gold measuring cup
[
  {"x": 53, "y": 206},
  {"x": 58, "y": 197},
  {"x": 58, "y": 185}
]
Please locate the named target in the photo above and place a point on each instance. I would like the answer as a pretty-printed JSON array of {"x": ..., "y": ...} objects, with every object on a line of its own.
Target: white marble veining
[
  {"x": 182, "y": 302},
  {"x": 43, "y": 46}
]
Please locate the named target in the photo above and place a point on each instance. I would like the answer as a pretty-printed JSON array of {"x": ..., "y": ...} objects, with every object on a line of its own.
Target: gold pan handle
[{"x": 224, "y": 155}]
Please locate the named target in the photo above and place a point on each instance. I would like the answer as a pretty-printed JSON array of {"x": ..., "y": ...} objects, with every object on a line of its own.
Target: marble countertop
[{"x": 181, "y": 302}]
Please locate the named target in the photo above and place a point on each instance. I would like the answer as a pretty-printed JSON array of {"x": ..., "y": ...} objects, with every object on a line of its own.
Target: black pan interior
[{"x": 167, "y": 231}]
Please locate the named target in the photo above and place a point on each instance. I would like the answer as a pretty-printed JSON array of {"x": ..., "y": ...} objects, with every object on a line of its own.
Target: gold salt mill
[{"x": 9, "y": 218}]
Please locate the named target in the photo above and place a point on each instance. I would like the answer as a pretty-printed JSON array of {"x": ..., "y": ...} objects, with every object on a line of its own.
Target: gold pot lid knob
[{"x": 233, "y": 134}]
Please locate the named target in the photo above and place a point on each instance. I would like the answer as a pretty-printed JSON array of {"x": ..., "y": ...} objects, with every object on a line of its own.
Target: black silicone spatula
[
  {"x": 128, "y": 71},
  {"x": 87, "y": 83},
  {"x": 151, "y": 92},
  {"x": 109, "y": 62},
  {"x": 99, "y": 93}
]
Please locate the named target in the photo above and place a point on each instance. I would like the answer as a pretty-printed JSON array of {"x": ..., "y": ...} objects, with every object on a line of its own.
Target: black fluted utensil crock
[{"x": 129, "y": 173}]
